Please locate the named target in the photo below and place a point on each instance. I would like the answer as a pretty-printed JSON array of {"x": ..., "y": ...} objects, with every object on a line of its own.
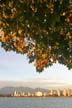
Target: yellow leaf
[
  {"x": 3, "y": 39},
  {"x": 14, "y": 37},
  {"x": 64, "y": 13},
  {"x": 44, "y": 55},
  {"x": 19, "y": 31}
]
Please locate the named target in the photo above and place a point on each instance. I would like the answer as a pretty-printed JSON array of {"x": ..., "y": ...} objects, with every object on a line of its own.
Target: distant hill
[{"x": 10, "y": 90}]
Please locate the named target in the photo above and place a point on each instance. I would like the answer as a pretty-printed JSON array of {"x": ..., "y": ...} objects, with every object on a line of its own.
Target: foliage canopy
[{"x": 42, "y": 29}]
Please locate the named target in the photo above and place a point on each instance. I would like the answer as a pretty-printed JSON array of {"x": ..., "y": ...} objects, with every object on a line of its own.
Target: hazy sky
[{"x": 15, "y": 67}]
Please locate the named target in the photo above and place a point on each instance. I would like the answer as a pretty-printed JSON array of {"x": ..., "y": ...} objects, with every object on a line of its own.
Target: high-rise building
[
  {"x": 58, "y": 92},
  {"x": 44, "y": 94},
  {"x": 29, "y": 94},
  {"x": 64, "y": 92},
  {"x": 69, "y": 92},
  {"x": 38, "y": 93},
  {"x": 51, "y": 92},
  {"x": 16, "y": 93},
  {"x": 22, "y": 93}
]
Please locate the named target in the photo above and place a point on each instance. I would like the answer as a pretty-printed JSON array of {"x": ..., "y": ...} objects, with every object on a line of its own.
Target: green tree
[{"x": 42, "y": 29}]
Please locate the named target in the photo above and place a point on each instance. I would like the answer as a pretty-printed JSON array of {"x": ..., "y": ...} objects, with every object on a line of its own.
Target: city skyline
[{"x": 34, "y": 92}]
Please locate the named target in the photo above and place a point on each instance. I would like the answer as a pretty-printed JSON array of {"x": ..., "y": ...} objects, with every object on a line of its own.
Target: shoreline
[{"x": 36, "y": 96}]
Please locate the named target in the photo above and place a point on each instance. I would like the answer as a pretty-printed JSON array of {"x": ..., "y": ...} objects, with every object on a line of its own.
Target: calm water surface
[{"x": 35, "y": 102}]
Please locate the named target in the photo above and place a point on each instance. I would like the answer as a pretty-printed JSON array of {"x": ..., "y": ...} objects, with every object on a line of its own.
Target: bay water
[{"x": 50, "y": 102}]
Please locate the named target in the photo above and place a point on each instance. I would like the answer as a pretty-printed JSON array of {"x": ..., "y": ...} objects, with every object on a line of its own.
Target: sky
[{"x": 15, "y": 67}]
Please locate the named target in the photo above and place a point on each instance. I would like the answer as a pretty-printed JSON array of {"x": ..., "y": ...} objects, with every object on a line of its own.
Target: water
[{"x": 35, "y": 102}]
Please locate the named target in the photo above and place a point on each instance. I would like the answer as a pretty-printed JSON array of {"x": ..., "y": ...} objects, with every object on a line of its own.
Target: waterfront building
[
  {"x": 32, "y": 94},
  {"x": 44, "y": 94},
  {"x": 51, "y": 92},
  {"x": 58, "y": 92},
  {"x": 22, "y": 94},
  {"x": 48, "y": 93},
  {"x": 69, "y": 92},
  {"x": 38, "y": 93},
  {"x": 54, "y": 92},
  {"x": 29, "y": 94},
  {"x": 64, "y": 92},
  {"x": 16, "y": 93}
]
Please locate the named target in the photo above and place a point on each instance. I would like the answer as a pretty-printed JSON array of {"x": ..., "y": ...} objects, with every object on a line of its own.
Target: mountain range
[{"x": 10, "y": 90}]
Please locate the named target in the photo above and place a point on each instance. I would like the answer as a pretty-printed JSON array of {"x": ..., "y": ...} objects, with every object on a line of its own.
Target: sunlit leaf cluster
[{"x": 41, "y": 29}]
